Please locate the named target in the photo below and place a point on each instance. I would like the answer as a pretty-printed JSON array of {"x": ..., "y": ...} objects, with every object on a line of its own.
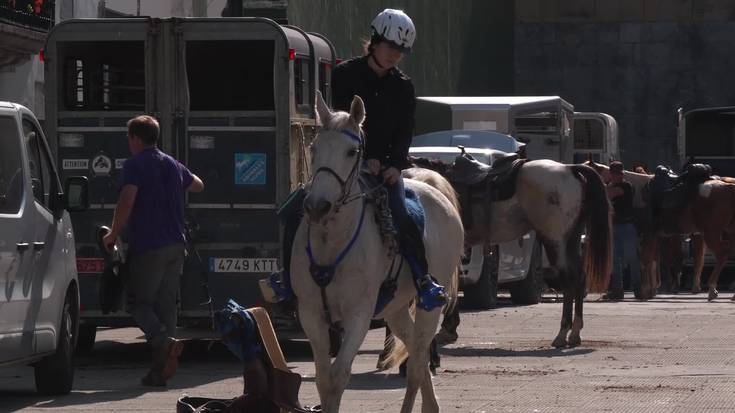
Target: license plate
[
  {"x": 90, "y": 265},
  {"x": 243, "y": 264}
]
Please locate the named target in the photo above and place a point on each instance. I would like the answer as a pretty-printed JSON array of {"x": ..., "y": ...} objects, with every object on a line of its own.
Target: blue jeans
[
  {"x": 625, "y": 254},
  {"x": 397, "y": 202}
]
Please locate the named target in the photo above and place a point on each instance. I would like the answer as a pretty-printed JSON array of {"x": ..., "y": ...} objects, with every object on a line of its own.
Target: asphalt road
[{"x": 671, "y": 354}]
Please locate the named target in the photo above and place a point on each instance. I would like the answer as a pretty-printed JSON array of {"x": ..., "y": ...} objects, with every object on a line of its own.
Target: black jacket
[{"x": 390, "y": 102}]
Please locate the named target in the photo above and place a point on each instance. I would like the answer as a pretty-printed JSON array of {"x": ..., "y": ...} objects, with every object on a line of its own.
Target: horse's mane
[{"x": 429, "y": 163}]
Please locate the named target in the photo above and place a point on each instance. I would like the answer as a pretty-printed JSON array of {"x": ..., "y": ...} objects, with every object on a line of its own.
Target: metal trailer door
[
  {"x": 229, "y": 91},
  {"x": 98, "y": 76}
]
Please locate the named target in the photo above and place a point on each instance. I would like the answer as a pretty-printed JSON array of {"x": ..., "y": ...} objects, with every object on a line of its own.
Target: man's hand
[
  {"x": 391, "y": 175},
  {"x": 373, "y": 166}
]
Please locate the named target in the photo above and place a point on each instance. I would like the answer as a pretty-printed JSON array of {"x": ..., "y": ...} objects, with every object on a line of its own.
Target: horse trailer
[
  {"x": 707, "y": 135},
  {"x": 234, "y": 98},
  {"x": 548, "y": 128}
]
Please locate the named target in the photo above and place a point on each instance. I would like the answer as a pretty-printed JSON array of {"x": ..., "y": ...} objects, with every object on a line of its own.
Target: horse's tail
[
  {"x": 398, "y": 352},
  {"x": 598, "y": 241}
]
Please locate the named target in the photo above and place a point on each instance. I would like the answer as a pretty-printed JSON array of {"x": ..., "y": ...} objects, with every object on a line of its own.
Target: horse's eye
[{"x": 352, "y": 152}]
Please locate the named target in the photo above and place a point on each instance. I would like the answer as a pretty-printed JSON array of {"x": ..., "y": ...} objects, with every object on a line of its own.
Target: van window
[
  {"x": 588, "y": 134},
  {"x": 11, "y": 171},
  {"x": 102, "y": 75},
  {"x": 301, "y": 81},
  {"x": 234, "y": 75},
  {"x": 38, "y": 164}
]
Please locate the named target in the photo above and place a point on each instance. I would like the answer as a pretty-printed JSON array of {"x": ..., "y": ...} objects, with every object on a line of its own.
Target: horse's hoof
[
  {"x": 712, "y": 295},
  {"x": 733, "y": 298},
  {"x": 574, "y": 341},
  {"x": 559, "y": 342}
]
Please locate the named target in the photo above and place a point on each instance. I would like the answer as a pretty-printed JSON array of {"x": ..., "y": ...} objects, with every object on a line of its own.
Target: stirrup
[
  {"x": 431, "y": 295},
  {"x": 276, "y": 289}
]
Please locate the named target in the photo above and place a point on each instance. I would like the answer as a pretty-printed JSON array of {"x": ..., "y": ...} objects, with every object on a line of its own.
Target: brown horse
[
  {"x": 710, "y": 216},
  {"x": 558, "y": 202}
]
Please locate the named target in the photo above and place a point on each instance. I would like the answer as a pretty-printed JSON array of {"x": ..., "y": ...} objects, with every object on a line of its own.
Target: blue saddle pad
[{"x": 415, "y": 209}]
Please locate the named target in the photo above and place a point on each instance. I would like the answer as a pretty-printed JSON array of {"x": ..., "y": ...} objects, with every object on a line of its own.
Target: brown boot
[{"x": 168, "y": 357}]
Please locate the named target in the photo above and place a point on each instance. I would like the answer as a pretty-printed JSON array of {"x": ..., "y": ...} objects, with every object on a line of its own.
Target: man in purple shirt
[{"x": 151, "y": 205}]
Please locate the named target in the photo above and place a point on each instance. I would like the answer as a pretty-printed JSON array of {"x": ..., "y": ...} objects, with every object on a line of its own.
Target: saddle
[
  {"x": 498, "y": 179},
  {"x": 671, "y": 191},
  {"x": 488, "y": 183},
  {"x": 467, "y": 170},
  {"x": 246, "y": 332}
]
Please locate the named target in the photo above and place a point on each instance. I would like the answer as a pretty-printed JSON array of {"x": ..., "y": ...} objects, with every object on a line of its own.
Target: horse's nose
[{"x": 316, "y": 208}]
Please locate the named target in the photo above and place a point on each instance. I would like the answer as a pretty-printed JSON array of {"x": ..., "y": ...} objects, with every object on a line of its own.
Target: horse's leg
[
  {"x": 341, "y": 368},
  {"x": 677, "y": 258},
  {"x": 579, "y": 290},
  {"x": 698, "y": 247},
  {"x": 649, "y": 246},
  {"x": 418, "y": 374},
  {"x": 566, "y": 315},
  {"x": 317, "y": 330},
  {"x": 574, "y": 337}
]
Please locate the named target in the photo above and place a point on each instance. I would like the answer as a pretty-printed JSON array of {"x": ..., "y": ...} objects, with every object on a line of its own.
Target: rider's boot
[
  {"x": 277, "y": 288},
  {"x": 279, "y": 285},
  {"x": 430, "y": 294}
]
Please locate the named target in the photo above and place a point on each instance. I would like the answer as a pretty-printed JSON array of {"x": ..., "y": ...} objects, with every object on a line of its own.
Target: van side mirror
[{"x": 76, "y": 194}]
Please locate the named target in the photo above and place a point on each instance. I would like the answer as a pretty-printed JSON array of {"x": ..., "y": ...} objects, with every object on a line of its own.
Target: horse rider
[
  {"x": 390, "y": 102},
  {"x": 625, "y": 249}
]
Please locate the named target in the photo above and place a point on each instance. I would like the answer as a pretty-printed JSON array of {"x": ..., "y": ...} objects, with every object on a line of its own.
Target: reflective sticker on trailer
[
  {"x": 250, "y": 168},
  {"x": 251, "y": 265},
  {"x": 74, "y": 164},
  {"x": 90, "y": 265}
]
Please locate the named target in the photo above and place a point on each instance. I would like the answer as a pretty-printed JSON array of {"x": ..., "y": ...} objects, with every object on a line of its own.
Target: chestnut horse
[{"x": 710, "y": 216}]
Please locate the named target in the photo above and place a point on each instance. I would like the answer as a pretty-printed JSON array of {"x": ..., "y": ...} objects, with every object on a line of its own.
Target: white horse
[{"x": 339, "y": 238}]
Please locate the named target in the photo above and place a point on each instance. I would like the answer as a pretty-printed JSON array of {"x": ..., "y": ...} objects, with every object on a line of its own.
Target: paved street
[{"x": 672, "y": 354}]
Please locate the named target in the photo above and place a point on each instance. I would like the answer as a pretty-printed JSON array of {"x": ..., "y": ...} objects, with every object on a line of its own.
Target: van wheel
[
  {"x": 86, "y": 338},
  {"x": 529, "y": 290},
  {"x": 55, "y": 373},
  {"x": 483, "y": 294}
]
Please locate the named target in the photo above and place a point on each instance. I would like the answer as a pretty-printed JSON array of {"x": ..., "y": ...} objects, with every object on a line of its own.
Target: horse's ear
[
  {"x": 357, "y": 110},
  {"x": 321, "y": 109}
]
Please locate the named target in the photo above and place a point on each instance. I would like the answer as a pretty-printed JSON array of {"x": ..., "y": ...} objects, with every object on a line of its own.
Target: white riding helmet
[{"x": 396, "y": 27}]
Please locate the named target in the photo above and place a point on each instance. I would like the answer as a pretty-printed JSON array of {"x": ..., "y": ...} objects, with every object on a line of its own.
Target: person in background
[{"x": 625, "y": 248}]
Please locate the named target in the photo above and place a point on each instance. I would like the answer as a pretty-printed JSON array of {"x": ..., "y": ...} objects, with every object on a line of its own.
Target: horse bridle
[
  {"x": 346, "y": 184},
  {"x": 323, "y": 274}
]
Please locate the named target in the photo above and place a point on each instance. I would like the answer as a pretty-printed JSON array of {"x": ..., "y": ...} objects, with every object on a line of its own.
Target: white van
[{"x": 39, "y": 296}]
